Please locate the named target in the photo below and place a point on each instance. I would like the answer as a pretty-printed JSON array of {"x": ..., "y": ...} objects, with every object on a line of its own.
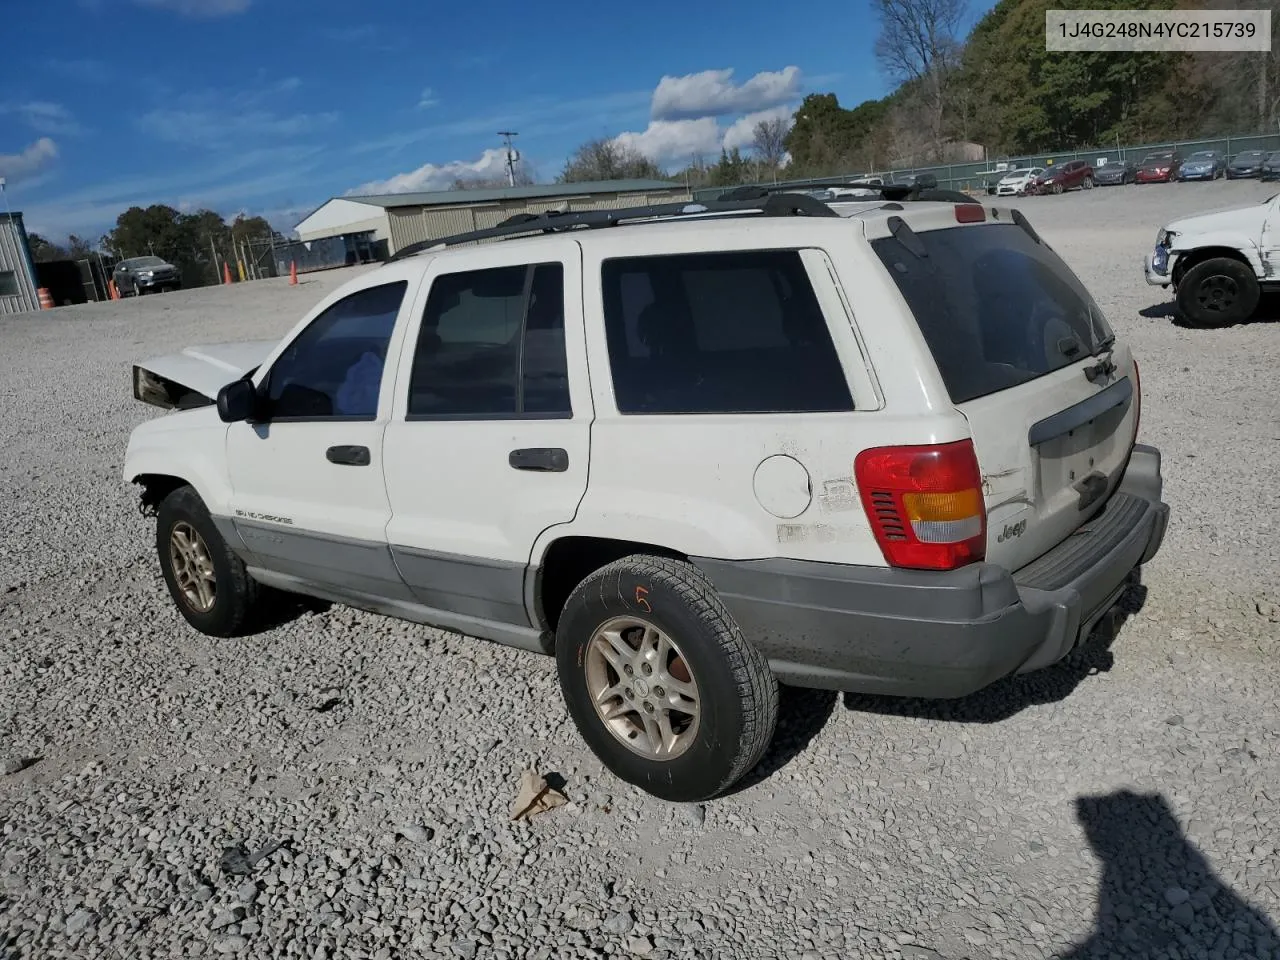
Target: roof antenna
[{"x": 513, "y": 155}]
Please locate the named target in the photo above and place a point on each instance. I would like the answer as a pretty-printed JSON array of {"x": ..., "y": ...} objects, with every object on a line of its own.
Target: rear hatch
[{"x": 1028, "y": 358}]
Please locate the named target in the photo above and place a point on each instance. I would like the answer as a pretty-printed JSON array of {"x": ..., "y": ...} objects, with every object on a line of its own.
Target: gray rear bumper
[{"x": 916, "y": 633}]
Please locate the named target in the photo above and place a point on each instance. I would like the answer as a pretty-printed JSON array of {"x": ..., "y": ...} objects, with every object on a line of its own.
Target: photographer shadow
[{"x": 1158, "y": 896}]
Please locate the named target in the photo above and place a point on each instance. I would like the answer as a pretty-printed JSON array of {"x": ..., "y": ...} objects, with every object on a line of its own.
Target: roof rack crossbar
[{"x": 552, "y": 221}]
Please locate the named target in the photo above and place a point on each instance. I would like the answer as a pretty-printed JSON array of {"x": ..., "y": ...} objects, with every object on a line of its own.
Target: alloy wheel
[
  {"x": 642, "y": 688},
  {"x": 192, "y": 568}
]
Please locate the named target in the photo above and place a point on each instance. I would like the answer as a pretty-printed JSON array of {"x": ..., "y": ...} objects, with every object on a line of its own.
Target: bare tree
[
  {"x": 919, "y": 46},
  {"x": 768, "y": 139},
  {"x": 606, "y": 159}
]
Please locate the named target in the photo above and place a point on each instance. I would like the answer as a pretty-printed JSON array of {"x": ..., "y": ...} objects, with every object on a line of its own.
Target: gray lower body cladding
[
  {"x": 833, "y": 626},
  {"x": 915, "y": 633}
]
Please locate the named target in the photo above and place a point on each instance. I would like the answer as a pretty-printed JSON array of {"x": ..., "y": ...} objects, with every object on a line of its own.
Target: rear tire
[
  {"x": 209, "y": 584},
  {"x": 660, "y": 680},
  {"x": 1088, "y": 183},
  {"x": 1218, "y": 293}
]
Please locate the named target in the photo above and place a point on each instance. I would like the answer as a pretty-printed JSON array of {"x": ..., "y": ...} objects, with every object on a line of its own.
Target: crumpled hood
[
  {"x": 203, "y": 370},
  {"x": 1244, "y": 219}
]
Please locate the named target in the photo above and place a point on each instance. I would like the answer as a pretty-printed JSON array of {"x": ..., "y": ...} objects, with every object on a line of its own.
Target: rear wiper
[{"x": 1104, "y": 367}]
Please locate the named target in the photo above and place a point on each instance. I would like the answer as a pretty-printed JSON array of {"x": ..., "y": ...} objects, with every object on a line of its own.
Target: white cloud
[
  {"x": 712, "y": 93},
  {"x": 427, "y": 99},
  {"x": 217, "y": 128},
  {"x": 741, "y": 132},
  {"x": 45, "y": 117},
  {"x": 16, "y": 167},
  {"x": 199, "y": 8},
  {"x": 431, "y": 176},
  {"x": 222, "y": 118},
  {"x": 674, "y": 139}
]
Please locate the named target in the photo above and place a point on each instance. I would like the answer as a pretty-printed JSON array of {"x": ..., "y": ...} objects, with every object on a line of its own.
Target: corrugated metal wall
[
  {"x": 415, "y": 224},
  {"x": 15, "y": 257}
]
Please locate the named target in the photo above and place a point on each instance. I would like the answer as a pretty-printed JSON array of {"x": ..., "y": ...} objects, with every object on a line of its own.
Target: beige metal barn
[{"x": 400, "y": 219}]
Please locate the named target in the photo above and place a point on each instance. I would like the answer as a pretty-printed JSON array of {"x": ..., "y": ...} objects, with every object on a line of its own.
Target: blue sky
[{"x": 272, "y": 106}]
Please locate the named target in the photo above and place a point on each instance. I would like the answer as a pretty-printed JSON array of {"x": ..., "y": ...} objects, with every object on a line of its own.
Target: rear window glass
[
  {"x": 996, "y": 308},
  {"x": 737, "y": 332}
]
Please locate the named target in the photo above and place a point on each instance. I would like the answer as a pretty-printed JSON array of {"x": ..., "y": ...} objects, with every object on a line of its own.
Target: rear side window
[
  {"x": 738, "y": 332},
  {"x": 996, "y": 308},
  {"x": 492, "y": 346}
]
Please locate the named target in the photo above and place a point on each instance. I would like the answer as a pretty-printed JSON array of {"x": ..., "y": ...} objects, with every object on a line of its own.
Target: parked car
[
  {"x": 1203, "y": 165},
  {"x": 1218, "y": 264},
  {"x": 1115, "y": 174},
  {"x": 1159, "y": 167},
  {"x": 1271, "y": 166},
  {"x": 140, "y": 275},
  {"x": 917, "y": 499},
  {"x": 1246, "y": 165},
  {"x": 1016, "y": 183},
  {"x": 1065, "y": 176}
]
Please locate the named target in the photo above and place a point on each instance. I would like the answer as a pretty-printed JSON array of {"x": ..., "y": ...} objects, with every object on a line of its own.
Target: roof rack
[
  {"x": 888, "y": 191},
  {"x": 779, "y": 204}
]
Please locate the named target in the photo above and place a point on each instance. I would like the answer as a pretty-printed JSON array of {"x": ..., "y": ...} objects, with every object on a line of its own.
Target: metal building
[
  {"x": 17, "y": 272},
  {"x": 405, "y": 218}
]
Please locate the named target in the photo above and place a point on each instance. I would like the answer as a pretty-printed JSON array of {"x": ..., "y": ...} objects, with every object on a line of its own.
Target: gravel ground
[{"x": 339, "y": 787}]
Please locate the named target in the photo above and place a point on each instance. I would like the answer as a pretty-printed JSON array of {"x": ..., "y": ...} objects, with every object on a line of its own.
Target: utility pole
[{"x": 513, "y": 155}]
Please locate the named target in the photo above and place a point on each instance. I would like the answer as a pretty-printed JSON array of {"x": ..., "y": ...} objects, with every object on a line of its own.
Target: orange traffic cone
[
  {"x": 46, "y": 299},
  {"x": 112, "y": 292},
  {"x": 226, "y": 272},
  {"x": 293, "y": 273}
]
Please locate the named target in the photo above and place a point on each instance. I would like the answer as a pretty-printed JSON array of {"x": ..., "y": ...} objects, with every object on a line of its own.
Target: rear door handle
[
  {"x": 542, "y": 459},
  {"x": 348, "y": 456}
]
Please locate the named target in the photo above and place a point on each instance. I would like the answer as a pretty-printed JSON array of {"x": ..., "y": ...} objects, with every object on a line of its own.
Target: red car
[
  {"x": 1073, "y": 173},
  {"x": 1159, "y": 168}
]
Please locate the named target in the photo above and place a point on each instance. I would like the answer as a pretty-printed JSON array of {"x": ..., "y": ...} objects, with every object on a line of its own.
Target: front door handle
[
  {"x": 542, "y": 459},
  {"x": 348, "y": 456}
]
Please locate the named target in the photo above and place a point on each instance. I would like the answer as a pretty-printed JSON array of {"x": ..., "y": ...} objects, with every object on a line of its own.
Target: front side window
[
  {"x": 492, "y": 346},
  {"x": 333, "y": 369},
  {"x": 738, "y": 332}
]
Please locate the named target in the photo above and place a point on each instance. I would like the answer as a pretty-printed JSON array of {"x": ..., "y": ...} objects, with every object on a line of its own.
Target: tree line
[{"x": 197, "y": 243}]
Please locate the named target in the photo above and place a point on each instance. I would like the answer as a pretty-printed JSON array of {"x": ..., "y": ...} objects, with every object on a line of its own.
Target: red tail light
[
  {"x": 925, "y": 504},
  {"x": 970, "y": 213}
]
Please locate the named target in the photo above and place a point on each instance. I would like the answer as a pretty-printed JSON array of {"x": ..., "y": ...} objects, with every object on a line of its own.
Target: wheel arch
[
  {"x": 568, "y": 560},
  {"x": 1248, "y": 256}
]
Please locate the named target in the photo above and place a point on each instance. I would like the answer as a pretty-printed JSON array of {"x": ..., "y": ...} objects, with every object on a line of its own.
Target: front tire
[
  {"x": 660, "y": 680},
  {"x": 1218, "y": 293},
  {"x": 209, "y": 584},
  {"x": 1057, "y": 188}
]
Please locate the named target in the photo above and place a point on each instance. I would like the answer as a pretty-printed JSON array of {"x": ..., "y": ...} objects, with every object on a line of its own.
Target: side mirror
[{"x": 237, "y": 401}]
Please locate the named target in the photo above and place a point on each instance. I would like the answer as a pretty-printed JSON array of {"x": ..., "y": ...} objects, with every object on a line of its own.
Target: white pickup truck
[
  {"x": 1218, "y": 263},
  {"x": 690, "y": 450}
]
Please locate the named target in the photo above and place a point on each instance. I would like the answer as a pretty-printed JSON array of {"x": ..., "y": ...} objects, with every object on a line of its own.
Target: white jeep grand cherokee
[{"x": 711, "y": 447}]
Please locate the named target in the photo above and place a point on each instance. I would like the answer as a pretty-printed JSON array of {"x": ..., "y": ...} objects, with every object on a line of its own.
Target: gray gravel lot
[{"x": 1125, "y": 803}]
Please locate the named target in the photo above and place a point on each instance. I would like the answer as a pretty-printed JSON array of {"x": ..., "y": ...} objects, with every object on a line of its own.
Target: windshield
[
  {"x": 1156, "y": 159},
  {"x": 144, "y": 262},
  {"x": 996, "y": 308},
  {"x": 1249, "y": 156}
]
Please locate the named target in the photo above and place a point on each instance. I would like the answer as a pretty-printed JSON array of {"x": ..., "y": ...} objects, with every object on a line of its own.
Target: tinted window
[
  {"x": 492, "y": 345},
  {"x": 734, "y": 332},
  {"x": 996, "y": 308},
  {"x": 334, "y": 367},
  {"x": 8, "y": 283}
]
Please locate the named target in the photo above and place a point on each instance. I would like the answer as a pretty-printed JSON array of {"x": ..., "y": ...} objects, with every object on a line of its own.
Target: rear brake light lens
[
  {"x": 970, "y": 213},
  {"x": 924, "y": 504}
]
